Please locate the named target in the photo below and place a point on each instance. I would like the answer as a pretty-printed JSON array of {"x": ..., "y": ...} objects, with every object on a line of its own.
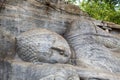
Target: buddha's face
[{"x": 45, "y": 45}]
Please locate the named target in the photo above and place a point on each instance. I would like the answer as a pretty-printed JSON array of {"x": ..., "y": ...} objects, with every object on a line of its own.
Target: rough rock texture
[
  {"x": 108, "y": 26},
  {"x": 22, "y": 15},
  {"x": 41, "y": 45},
  {"x": 7, "y": 45},
  {"x": 94, "y": 47},
  {"x": 16, "y": 70},
  {"x": 96, "y": 51}
]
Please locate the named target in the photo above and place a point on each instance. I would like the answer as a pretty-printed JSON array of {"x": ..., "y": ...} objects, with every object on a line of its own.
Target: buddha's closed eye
[{"x": 61, "y": 52}]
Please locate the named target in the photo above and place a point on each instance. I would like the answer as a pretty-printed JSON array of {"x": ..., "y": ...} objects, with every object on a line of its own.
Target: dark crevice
[{"x": 2, "y": 4}]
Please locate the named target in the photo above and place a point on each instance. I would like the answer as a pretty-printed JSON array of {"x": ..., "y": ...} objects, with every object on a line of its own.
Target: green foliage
[
  {"x": 111, "y": 2},
  {"x": 101, "y": 10},
  {"x": 72, "y": 1}
]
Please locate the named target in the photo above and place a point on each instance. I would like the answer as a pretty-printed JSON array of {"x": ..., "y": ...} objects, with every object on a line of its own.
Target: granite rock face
[
  {"x": 94, "y": 47},
  {"x": 20, "y": 16},
  {"x": 43, "y": 72},
  {"x": 7, "y": 45},
  {"x": 93, "y": 52},
  {"x": 17, "y": 70}
]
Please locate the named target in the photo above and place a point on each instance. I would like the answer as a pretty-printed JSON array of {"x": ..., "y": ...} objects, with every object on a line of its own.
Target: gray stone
[
  {"x": 95, "y": 51},
  {"x": 15, "y": 70},
  {"x": 20, "y": 16},
  {"x": 41, "y": 45},
  {"x": 18, "y": 70},
  {"x": 7, "y": 45},
  {"x": 94, "y": 47}
]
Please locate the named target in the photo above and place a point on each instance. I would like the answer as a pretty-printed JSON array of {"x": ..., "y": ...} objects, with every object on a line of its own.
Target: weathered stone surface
[
  {"x": 96, "y": 52},
  {"x": 27, "y": 71},
  {"x": 22, "y": 15},
  {"x": 94, "y": 47},
  {"x": 42, "y": 45},
  {"x": 5, "y": 70},
  {"x": 15, "y": 70},
  {"x": 7, "y": 44},
  {"x": 109, "y": 27}
]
